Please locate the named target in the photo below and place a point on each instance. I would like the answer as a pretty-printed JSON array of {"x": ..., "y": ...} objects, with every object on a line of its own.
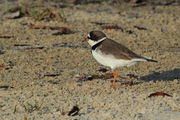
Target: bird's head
[{"x": 95, "y": 37}]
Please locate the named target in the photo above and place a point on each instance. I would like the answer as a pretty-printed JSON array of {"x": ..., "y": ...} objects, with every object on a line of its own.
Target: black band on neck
[{"x": 96, "y": 45}]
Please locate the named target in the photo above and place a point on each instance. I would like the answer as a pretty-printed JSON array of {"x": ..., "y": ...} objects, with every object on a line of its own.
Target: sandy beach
[{"x": 42, "y": 82}]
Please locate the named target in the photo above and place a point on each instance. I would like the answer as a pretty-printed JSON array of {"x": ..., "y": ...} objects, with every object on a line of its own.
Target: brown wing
[{"x": 119, "y": 51}]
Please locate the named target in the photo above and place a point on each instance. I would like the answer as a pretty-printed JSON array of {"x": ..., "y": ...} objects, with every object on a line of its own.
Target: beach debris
[
  {"x": 157, "y": 3},
  {"x": 51, "y": 74},
  {"x": 140, "y": 28},
  {"x": 159, "y": 94},
  {"x": 112, "y": 27},
  {"x": 7, "y": 36},
  {"x": 2, "y": 67},
  {"x": 100, "y": 23},
  {"x": 77, "y": 2},
  {"x": 132, "y": 76},
  {"x": 65, "y": 44},
  {"x": 103, "y": 70},
  {"x": 74, "y": 111},
  {"x": 136, "y": 1},
  {"x": 5, "y": 87},
  {"x": 165, "y": 3},
  {"x": 27, "y": 46}
]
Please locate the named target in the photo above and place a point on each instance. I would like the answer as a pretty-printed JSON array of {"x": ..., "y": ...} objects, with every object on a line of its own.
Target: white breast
[{"x": 110, "y": 61}]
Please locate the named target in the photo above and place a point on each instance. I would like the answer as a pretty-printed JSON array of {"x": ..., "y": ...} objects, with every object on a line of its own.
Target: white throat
[{"x": 92, "y": 43}]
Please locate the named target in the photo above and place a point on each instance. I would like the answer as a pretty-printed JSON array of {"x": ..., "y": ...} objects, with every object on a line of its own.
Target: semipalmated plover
[{"x": 112, "y": 54}]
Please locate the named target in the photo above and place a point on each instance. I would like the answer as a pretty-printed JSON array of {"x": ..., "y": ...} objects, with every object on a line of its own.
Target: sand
[{"x": 34, "y": 96}]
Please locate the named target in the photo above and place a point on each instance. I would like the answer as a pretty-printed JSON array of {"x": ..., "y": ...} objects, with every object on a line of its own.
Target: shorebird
[{"x": 111, "y": 53}]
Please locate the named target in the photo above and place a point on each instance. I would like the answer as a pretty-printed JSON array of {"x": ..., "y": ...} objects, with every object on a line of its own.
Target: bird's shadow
[{"x": 169, "y": 75}]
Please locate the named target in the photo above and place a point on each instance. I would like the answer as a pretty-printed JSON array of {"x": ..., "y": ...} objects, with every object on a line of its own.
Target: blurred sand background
[{"x": 30, "y": 94}]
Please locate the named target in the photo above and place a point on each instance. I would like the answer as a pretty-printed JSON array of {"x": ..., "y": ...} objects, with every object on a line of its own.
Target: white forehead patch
[{"x": 88, "y": 35}]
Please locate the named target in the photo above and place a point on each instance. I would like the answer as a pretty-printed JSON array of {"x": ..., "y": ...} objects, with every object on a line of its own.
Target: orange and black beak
[{"x": 85, "y": 39}]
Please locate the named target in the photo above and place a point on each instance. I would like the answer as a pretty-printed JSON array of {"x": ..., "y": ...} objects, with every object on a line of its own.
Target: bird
[{"x": 111, "y": 53}]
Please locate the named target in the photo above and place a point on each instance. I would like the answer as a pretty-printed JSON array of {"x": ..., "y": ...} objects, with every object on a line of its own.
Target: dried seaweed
[
  {"x": 112, "y": 27},
  {"x": 5, "y": 87},
  {"x": 51, "y": 75},
  {"x": 159, "y": 94},
  {"x": 7, "y": 36},
  {"x": 140, "y": 27},
  {"x": 27, "y": 46}
]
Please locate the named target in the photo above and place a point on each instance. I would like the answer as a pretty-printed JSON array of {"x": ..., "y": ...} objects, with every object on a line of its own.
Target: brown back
[{"x": 109, "y": 46}]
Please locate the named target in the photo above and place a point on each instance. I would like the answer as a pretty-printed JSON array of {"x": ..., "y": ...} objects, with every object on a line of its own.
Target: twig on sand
[
  {"x": 5, "y": 87},
  {"x": 112, "y": 27},
  {"x": 27, "y": 46},
  {"x": 140, "y": 27},
  {"x": 159, "y": 94},
  {"x": 7, "y": 36},
  {"x": 51, "y": 74}
]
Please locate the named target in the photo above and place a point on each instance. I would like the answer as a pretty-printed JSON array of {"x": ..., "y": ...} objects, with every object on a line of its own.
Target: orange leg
[{"x": 114, "y": 80}]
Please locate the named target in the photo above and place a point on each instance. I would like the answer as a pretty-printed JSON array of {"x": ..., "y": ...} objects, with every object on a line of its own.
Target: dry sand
[{"x": 38, "y": 97}]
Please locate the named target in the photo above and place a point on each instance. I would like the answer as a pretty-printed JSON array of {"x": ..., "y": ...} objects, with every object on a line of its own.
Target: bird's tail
[{"x": 149, "y": 59}]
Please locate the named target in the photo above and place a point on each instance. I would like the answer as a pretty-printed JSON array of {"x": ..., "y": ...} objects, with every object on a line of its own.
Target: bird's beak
[{"x": 85, "y": 39}]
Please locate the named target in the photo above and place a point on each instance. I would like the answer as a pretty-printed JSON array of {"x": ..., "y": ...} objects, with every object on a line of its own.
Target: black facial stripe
[{"x": 96, "y": 45}]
